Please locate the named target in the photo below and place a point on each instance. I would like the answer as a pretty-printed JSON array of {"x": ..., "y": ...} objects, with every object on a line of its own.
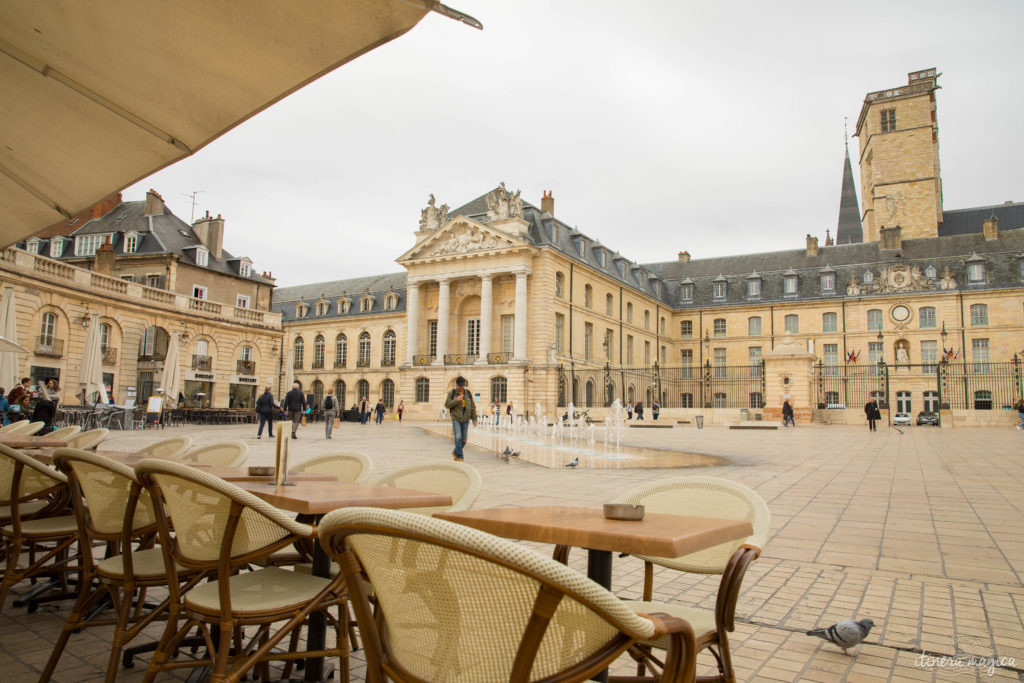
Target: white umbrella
[
  {"x": 90, "y": 377},
  {"x": 170, "y": 380},
  {"x": 98, "y": 95},
  {"x": 9, "y": 346}
]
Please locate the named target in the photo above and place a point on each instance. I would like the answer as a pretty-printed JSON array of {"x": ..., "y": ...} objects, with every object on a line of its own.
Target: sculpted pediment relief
[{"x": 461, "y": 237}]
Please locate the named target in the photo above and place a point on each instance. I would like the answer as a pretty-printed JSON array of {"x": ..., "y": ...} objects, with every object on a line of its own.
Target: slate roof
[
  {"x": 964, "y": 221},
  {"x": 159, "y": 234},
  {"x": 286, "y": 299}
]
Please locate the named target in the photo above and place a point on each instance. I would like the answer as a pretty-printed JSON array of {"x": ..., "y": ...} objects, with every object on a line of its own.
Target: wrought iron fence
[
  {"x": 460, "y": 358},
  {"x": 718, "y": 386}
]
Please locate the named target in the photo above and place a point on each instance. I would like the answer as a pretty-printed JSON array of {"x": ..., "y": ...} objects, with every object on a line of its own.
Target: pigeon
[
  {"x": 899, "y": 430},
  {"x": 575, "y": 462},
  {"x": 845, "y": 634},
  {"x": 514, "y": 454},
  {"x": 507, "y": 451}
]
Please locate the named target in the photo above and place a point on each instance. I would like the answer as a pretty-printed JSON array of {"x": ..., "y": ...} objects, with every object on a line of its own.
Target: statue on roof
[
  {"x": 503, "y": 204},
  {"x": 433, "y": 217}
]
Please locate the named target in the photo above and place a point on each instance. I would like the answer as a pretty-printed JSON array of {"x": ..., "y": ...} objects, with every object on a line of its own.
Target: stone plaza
[{"x": 920, "y": 530}]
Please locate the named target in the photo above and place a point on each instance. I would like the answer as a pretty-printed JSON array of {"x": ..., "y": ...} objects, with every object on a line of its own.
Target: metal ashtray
[
  {"x": 624, "y": 512},
  {"x": 261, "y": 470}
]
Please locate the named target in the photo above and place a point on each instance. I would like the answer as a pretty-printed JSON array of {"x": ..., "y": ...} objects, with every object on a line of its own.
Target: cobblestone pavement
[{"x": 922, "y": 531}]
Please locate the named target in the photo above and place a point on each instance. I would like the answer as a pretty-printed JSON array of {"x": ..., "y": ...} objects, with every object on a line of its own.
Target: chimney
[
  {"x": 106, "y": 206},
  {"x": 812, "y": 246},
  {"x": 547, "y": 203},
  {"x": 210, "y": 232},
  {"x": 828, "y": 239},
  {"x": 684, "y": 256},
  {"x": 890, "y": 239},
  {"x": 991, "y": 228},
  {"x": 105, "y": 257},
  {"x": 154, "y": 204}
]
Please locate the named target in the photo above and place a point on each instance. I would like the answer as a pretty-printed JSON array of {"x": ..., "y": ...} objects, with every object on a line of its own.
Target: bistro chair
[
  {"x": 15, "y": 427},
  {"x": 702, "y": 497},
  {"x": 42, "y": 530},
  {"x": 111, "y": 508},
  {"x": 457, "y": 479},
  {"x": 171, "y": 448},
  {"x": 352, "y": 467},
  {"x": 31, "y": 428},
  {"x": 221, "y": 454},
  {"x": 88, "y": 441},
  {"x": 220, "y": 528},
  {"x": 64, "y": 432},
  {"x": 454, "y": 603}
]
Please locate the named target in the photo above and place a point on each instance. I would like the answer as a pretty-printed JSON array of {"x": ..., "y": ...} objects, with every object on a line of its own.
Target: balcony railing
[
  {"x": 202, "y": 362},
  {"x": 297, "y": 364},
  {"x": 318, "y": 365},
  {"x": 109, "y": 356},
  {"x": 499, "y": 358},
  {"x": 363, "y": 363},
  {"x": 422, "y": 359},
  {"x": 246, "y": 367},
  {"x": 339, "y": 363},
  {"x": 387, "y": 362},
  {"x": 460, "y": 358},
  {"x": 49, "y": 346}
]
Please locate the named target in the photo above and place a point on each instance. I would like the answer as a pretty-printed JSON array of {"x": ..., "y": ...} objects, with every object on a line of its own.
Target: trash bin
[
  {"x": 700, "y": 422},
  {"x": 744, "y": 414}
]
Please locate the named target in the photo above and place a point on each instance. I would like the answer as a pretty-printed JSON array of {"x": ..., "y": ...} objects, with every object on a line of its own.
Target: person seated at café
[
  {"x": 21, "y": 410},
  {"x": 4, "y": 405},
  {"x": 18, "y": 390}
]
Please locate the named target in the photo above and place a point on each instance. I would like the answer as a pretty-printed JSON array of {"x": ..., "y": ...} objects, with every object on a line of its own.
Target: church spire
[{"x": 848, "y": 230}]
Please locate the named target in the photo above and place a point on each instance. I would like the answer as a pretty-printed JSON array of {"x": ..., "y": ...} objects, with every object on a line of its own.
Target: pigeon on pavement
[
  {"x": 575, "y": 462},
  {"x": 899, "y": 430},
  {"x": 845, "y": 634}
]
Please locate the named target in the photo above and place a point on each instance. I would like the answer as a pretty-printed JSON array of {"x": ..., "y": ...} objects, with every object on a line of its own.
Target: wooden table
[
  {"x": 24, "y": 441},
  {"x": 318, "y": 498},
  {"x": 656, "y": 534}
]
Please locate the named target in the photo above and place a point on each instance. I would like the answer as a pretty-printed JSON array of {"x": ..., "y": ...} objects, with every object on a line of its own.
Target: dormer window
[
  {"x": 719, "y": 288},
  {"x": 868, "y": 277},
  {"x": 975, "y": 270},
  {"x": 366, "y": 303},
  {"x": 245, "y": 268},
  {"x": 578, "y": 243},
  {"x": 86, "y": 245},
  {"x": 390, "y": 302},
  {"x": 930, "y": 272},
  {"x": 619, "y": 267},
  {"x": 32, "y": 246},
  {"x": 344, "y": 304},
  {"x": 131, "y": 242},
  {"x": 56, "y": 247},
  {"x": 828, "y": 281},
  {"x": 601, "y": 257},
  {"x": 321, "y": 307},
  {"x": 686, "y": 292},
  {"x": 754, "y": 286},
  {"x": 789, "y": 283},
  {"x": 301, "y": 309},
  {"x": 202, "y": 256}
]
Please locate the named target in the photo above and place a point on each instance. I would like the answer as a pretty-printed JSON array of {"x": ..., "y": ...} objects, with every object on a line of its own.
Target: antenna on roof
[{"x": 193, "y": 196}]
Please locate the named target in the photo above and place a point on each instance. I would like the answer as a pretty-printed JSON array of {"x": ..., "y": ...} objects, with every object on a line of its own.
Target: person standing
[
  {"x": 265, "y": 410},
  {"x": 18, "y": 391},
  {"x": 364, "y": 410},
  {"x": 655, "y": 410},
  {"x": 294, "y": 404},
  {"x": 4, "y": 404},
  {"x": 462, "y": 409},
  {"x": 379, "y": 409},
  {"x": 629, "y": 411},
  {"x": 508, "y": 412},
  {"x": 872, "y": 413},
  {"x": 787, "y": 414},
  {"x": 330, "y": 410},
  {"x": 639, "y": 410},
  {"x": 400, "y": 409},
  {"x": 1020, "y": 412}
]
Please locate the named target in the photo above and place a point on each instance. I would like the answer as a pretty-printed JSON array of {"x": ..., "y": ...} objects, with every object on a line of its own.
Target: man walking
[
  {"x": 787, "y": 414},
  {"x": 461, "y": 407},
  {"x": 330, "y": 410},
  {"x": 872, "y": 413},
  {"x": 265, "y": 409},
  {"x": 364, "y": 410},
  {"x": 295, "y": 405},
  {"x": 379, "y": 409}
]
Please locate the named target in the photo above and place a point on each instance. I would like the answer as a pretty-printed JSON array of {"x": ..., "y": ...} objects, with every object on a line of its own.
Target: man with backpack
[{"x": 330, "y": 410}]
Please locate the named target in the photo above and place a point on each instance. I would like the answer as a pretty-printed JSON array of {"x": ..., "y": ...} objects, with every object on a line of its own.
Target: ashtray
[
  {"x": 624, "y": 512},
  {"x": 261, "y": 470}
]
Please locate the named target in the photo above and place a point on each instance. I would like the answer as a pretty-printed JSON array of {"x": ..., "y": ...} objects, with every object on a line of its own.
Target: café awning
[{"x": 98, "y": 95}]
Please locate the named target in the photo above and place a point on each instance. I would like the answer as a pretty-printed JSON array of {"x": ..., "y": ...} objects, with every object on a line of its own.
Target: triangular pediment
[{"x": 461, "y": 236}]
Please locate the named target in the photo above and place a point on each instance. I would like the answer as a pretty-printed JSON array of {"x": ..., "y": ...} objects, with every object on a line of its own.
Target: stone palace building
[{"x": 917, "y": 305}]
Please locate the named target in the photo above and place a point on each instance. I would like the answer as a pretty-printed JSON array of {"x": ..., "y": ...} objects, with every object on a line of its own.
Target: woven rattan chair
[
  {"x": 221, "y": 528},
  {"x": 64, "y": 432},
  {"x": 221, "y": 454},
  {"x": 111, "y": 507},
  {"x": 31, "y": 428},
  {"x": 45, "y": 532},
  {"x": 703, "y": 497},
  {"x": 354, "y": 467},
  {"x": 171, "y": 448},
  {"x": 454, "y": 603},
  {"x": 88, "y": 441},
  {"x": 459, "y": 480},
  {"x": 15, "y": 427}
]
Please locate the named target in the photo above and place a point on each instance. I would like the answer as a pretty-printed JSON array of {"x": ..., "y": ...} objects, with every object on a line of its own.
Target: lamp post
[
  {"x": 885, "y": 375},
  {"x": 705, "y": 385}
]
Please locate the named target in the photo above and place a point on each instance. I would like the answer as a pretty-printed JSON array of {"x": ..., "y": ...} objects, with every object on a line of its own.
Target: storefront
[
  {"x": 242, "y": 392},
  {"x": 198, "y": 389}
]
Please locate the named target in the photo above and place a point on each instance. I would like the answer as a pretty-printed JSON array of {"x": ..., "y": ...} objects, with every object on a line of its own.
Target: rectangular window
[
  {"x": 975, "y": 272},
  {"x": 202, "y": 257},
  {"x": 686, "y": 329},
  {"x": 86, "y": 245},
  {"x": 831, "y": 354},
  {"x": 559, "y": 323},
  {"x": 875, "y": 319},
  {"x": 153, "y": 281},
  {"x": 719, "y": 362},
  {"x": 647, "y": 353},
  {"x": 588, "y": 337},
  {"x": 32, "y": 246},
  {"x": 57, "y": 248},
  {"x": 754, "y": 288},
  {"x": 979, "y": 353},
  {"x": 874, "y": 355},
  {"x": 789, "y": 285},
  {"x": 929, "y": 355},
  {"x": 719, "y": 325},
  {"x": 754, "y": 360},
  {"x": 927, "y": 316},
  {"x": 242, "y": 301},
  {"x": 130, "y": 243},
  {"x": 629, "y": 349},
  {"x": 244, "y": 269},
  {"x": 662, "y": 356},
  {"x": 198, "y": 291},
  {"x": 473, "y": 336},
  {"x": 888, "y": 120},
  {"x": 793, "y": 324},
  {"x": 685, "y": 400},
  {"x": 979, "y": 314},
  {"x": 718, "y": 290},
  {"x": 828, "y": 282},
  {"x": 686, "y": 359},
  {"x": 686, "y": 292},
  {"x": 829, "y": 322},
  {"x": 608, "y": 340},
  {"x": 754, "y": 326},
  {"x": 432, "y": 337},
  {"x": 508, "y": 330}
]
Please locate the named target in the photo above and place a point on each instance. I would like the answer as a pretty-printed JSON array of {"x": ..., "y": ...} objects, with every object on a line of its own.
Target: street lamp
[{"x": 944, "y": 334}]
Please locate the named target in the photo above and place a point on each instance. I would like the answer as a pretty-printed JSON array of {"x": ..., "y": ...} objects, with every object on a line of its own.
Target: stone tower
[{"x": 899, "y": 159}]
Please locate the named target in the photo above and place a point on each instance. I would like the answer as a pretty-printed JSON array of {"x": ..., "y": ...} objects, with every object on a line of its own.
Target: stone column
[
  {"x": 412, "y": 316},
  {"x": 442, "y": 319},
  {"x": 486, "y": 304},
  {"x": 519, "y": 342}
]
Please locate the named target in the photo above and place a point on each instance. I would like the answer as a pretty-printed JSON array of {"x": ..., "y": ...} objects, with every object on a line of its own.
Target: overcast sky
[{"x": 659, "y": 126}]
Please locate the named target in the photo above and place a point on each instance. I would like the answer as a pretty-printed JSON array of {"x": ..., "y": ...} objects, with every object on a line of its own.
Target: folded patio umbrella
[
  {"x": 98, "y": 95},
  {"x": 9, "y": 347},
  {"x": 90, "y": 377},
  {"x": 170, "y": 380}
]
